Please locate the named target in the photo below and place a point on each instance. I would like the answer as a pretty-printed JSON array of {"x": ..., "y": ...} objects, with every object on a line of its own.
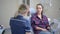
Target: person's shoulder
[
  {"x": 33, "y": 15},
  {"x": 44, "y": 16},
  {"x": 19, "y": 17}
]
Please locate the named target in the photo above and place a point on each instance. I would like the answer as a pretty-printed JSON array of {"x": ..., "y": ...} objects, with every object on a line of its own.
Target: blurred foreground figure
[{"x": 19, "y": 24}]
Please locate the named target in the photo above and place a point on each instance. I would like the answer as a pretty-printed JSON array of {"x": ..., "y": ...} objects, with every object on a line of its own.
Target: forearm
[{"x": 38, "y": 28}]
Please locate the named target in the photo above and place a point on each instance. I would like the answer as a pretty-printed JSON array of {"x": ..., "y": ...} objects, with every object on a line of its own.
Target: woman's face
[{"x": 39, "y": 9}]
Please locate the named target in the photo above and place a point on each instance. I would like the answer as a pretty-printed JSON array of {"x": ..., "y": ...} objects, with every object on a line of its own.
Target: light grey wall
[
  {"x": 7, "y": 10},
  {"x": 51, "y": 12},
  {"x": 33, "y": 3},
  {"x": 54, "y": 10}
]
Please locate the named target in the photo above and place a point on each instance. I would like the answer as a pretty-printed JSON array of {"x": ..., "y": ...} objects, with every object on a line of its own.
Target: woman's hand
[
  {"x": 38, "y": 28},
  {"x": 28, "y": 32},
  {"x": 44, "y": 29},
  {"x": 48, "y": 28}
]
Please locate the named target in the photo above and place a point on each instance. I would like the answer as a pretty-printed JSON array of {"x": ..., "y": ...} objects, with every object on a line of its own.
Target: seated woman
[
  {"x": 39, "y": 22},
  {"x": 19, "y": 24}
]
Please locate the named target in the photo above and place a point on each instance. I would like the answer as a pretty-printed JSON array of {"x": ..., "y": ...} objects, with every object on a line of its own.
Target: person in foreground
[
  {"x": 39, "y": 22},
  {"x": 19, "y": 24}
]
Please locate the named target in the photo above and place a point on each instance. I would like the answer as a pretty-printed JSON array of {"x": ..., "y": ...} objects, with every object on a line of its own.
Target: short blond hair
[{"x": 22, "y": 9}]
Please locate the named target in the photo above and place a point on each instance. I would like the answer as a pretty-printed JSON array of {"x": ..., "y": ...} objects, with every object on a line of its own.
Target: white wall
[
  {"x": 54, "y": 11},
  {"x": 7, "y": 10},
  {"x": 51, "y": 12},
  {"x": 33, "y": 3}
]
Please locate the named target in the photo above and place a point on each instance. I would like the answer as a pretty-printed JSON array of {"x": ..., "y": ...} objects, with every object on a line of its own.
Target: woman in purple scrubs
[{"x": 39, "y": 22}]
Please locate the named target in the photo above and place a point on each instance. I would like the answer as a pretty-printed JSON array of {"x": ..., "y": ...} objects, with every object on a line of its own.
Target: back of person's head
[{"x": 22, "y": 9}]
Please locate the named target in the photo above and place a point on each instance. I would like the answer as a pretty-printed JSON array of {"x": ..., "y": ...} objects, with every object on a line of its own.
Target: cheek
[
  {"x": 27, "y": 10},
  {"x": 41, "y": 9},
  {"x": 38, "y": 9}
]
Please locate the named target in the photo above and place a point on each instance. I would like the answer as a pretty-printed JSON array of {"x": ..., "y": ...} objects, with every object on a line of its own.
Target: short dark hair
[{"x": 40, "y": 5}]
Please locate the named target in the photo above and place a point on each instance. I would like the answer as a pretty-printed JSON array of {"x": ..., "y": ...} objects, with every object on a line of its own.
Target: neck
[
  {"x": 39, "y": 15},
  {"x": 24, "y": 14}
]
